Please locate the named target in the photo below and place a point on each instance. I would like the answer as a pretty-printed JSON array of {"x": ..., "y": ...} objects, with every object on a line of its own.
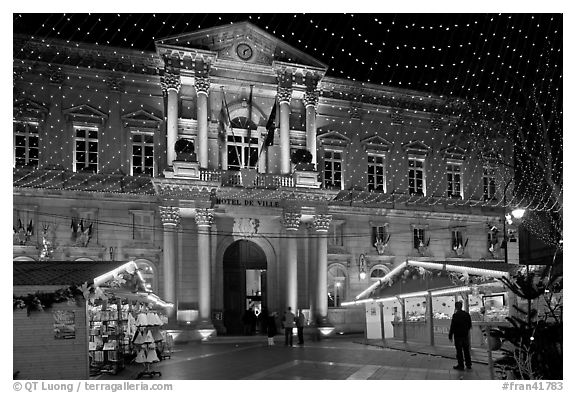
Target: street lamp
[{"x": 517, "y": 213}]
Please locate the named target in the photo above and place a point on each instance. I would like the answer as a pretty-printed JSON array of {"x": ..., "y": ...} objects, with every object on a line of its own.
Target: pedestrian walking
[
  {"x": 300, "y": 323},
  {"x": 288, "y": 323},
  {"x": 460, "y": 330},
  {"x": 271, "y": 327}
]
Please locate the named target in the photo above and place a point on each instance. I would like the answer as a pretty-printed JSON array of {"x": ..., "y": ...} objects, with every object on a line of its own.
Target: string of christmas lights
[{"x": 492, "y": 58}]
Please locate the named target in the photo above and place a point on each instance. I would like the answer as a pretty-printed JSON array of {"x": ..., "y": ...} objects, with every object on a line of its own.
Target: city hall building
[{"x": 103, "y": 172}]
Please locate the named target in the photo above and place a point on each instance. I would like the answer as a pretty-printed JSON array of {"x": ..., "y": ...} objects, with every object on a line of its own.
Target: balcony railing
[{"x": 246, "y": 179}]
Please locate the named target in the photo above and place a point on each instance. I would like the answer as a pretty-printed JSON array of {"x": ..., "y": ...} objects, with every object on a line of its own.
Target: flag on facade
[
  {"x": 271, "y": 127},
  {"x": 224, "y": 120}
]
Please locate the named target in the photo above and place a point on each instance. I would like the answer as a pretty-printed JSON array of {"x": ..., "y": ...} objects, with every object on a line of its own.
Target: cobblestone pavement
[{"x": 332, "y": 359}]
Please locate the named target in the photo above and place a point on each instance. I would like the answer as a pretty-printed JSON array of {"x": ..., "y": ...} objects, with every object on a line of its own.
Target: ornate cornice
[
  {"x": 83, "y": 55},
  {"x": 170, "y": 215},
  {"x": 204, "y": 217},
  {"x": 291, "y": 220},
  {"x": 202, "y": 84},
  {"x": 322, "y": 222},
  {"x": 333, "y": 88},
  {"x": 170, "y": 81}
]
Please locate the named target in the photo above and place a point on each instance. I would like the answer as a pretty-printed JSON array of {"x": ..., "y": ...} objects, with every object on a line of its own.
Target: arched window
[
  {"x": 148, "y": 273},
  {"x": 378, "y": 271},
  {"x": 336, "y": 285}
]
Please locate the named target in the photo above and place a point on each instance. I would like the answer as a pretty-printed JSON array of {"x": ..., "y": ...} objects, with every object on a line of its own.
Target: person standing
[
  {"x": 271, "y": 327},
  {"x": 288, "y": 323},
  {"x": 300, "y": 322},
  {"x": 460, "y": 330}
]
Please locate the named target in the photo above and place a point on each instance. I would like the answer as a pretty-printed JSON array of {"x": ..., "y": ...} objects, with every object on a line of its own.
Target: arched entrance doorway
[{"x": 244, "y": 283}]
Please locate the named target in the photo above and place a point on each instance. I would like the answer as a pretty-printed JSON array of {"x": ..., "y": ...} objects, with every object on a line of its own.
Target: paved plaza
[{"x": 331, "y": 359}]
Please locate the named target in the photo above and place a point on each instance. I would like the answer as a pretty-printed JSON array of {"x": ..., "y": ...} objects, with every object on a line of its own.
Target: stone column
[
  {"x": 204, "y": 220},
  {"x": 311, "y": 104},
  {"x": 202, "y": 84},
  {"x": 291, "y": 222},
  {"x": 284, "y": 97},
  {"x": 171, "y": 85},
  {"x": 321, "y": 225},
  {"x": 312, "y": 267},
  {"x": 170, "y": 219}
]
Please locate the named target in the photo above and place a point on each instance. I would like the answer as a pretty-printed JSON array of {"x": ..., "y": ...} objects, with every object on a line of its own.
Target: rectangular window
[
  {"x": 336, "y": 236},
  {"x": 378, "y": 233},
  {"x": 376, "y": 173},
  {"x": 419, "y": 240},
  {"x": 86, "y": 149},
  {"x": 454, "y": 180},
  {"x": 457, "y": 241},
  {"x": 26, "y": 142},
  {"x": 142, "y": 225},
  {"x": 242, "y": 152},
  {"x": 332, "y": 169},
  {"x": 416, "y": 183},
  {"x": 489, "y": 183},
  {"x": 142, "y": 153}
]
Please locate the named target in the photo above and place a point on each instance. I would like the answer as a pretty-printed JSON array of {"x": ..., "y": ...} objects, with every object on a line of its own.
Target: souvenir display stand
[
  {"x": 109, "y": 343},
  {"x": 148, "y": 341},
  {"x": 85, "y": 317}
]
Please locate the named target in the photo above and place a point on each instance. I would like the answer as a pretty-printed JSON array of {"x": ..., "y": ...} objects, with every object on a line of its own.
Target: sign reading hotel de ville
[{"x": 247, "y": 202}]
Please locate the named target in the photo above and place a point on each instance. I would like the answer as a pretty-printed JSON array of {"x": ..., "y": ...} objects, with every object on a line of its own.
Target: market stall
[
  {"x": 85, "y": 314},
  {"x": 415, "y": 301}
]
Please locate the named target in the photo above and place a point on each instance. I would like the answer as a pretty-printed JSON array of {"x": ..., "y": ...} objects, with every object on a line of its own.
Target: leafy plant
[{"x": 536, "y": 343}]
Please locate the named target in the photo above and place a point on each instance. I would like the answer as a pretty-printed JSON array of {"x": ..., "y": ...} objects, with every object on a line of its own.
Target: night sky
[{"x": 463, "y": 55}]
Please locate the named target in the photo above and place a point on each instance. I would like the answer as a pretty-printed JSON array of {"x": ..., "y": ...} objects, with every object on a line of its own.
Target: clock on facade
[{"x": 244, "y": 51}]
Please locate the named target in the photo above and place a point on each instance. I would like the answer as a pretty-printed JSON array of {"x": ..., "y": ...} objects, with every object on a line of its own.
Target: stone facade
[{"x": 300, "y": 230}]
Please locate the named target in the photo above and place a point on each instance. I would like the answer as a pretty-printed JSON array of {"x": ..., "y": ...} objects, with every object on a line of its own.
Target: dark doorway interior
[{"x": 244, "y": 283}]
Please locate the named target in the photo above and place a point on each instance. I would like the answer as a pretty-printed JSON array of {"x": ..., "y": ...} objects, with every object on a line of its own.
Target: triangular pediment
[
  {"x": 333, "y": 138},
  {"x": 416, "y": 147},
  {"x": 141, "y": 118},
  {"x": 454, "y": 152},
  {"x": 491, "y": 156},
  {"x": 376, "y": 142},
  {"x": 86, "y": 114},
  {"x": 30, "y": 109},
  {"x": 242, "y": 42}
]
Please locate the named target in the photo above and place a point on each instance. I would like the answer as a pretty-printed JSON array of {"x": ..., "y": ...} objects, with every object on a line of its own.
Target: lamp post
[{"x": 517, "y": 213}]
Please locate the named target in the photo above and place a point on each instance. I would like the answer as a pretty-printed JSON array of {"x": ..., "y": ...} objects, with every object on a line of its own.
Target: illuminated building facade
[{"x": 101, "y": 172}]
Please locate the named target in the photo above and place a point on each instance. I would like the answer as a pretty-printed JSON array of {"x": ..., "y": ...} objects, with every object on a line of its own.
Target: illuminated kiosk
[
  {"x": 54, "y": 307},
  {"x": 415, "y": 301}
]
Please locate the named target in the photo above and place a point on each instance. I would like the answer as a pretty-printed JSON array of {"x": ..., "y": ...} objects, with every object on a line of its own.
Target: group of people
[
  {"x": 459, "y": 330},
  {"x": 288, "y": 322}
]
